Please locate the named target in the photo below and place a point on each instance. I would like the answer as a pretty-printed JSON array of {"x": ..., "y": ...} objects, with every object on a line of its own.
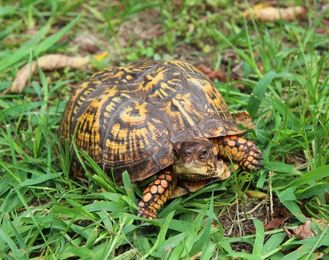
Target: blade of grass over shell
[
  {"x": 99, "y": 175},
  {"x": 128, "y": 186}
]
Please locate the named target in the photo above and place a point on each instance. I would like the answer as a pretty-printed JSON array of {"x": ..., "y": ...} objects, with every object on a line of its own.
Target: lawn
[{"x": 277, "y": 71}]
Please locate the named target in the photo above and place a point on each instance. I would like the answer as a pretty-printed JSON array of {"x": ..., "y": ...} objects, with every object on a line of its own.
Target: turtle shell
[{"x": 127, "y": 118}]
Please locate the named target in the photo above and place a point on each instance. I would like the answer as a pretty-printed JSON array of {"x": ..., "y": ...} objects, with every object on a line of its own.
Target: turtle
[{"x": 164, "y": 119}]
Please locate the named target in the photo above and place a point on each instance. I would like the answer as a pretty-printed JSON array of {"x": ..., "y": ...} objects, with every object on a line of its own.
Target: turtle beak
[{"x": 191, "y": 170}]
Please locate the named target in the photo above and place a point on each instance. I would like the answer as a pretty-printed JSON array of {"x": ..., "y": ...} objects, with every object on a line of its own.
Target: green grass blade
[
  {"x": 43, "y": 46},
  {"x": 311, "y": 177},
  {"x": 50, "y": 41},
  {"x": 258, "y": 93},
  {"x": 17, "y": 253},
  {"x": 161, "y": 236},
  {"x": 259, "y": 241},
  {"x": 128, "y": 186},
  {"x": 24, "y": 50}
]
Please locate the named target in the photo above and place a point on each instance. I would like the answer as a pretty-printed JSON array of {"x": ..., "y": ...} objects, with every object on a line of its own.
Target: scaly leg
[
  {"x": 240, "y": 150},
  {"x": 157, "y": 193}
]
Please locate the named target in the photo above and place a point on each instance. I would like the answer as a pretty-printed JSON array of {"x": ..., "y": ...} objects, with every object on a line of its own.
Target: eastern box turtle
[{"x": 162, "y": 118}]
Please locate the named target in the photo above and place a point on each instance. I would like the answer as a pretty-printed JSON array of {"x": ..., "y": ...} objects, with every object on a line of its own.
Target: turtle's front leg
[
  {"x": 240, "y": 150},
  {"x": 157, "y": 193}
]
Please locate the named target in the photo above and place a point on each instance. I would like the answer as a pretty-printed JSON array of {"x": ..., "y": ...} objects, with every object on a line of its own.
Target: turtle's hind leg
[{"x": 240, "y": 150}]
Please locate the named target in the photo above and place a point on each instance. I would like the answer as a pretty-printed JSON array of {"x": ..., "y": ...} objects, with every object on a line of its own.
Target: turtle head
[{"x": 197, "y": 159}]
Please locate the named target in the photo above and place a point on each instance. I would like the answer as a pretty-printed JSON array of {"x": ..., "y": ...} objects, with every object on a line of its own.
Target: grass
[{"x": 283, "y": 83}]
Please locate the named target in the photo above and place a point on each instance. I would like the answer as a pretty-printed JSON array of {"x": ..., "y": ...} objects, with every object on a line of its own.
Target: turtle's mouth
[{"x": 201, "y": 172}]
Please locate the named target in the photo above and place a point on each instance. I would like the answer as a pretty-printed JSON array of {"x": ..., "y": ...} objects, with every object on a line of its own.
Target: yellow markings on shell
[
  {"x": 161, "y": 93},
  {"x": 73, "y": 110},
  {"x": 184, "y": 66},
  {"x": 160, "y": 75},
  {"x": 119, "y": 74},
  {"x": 92, "y": 133},
  {"x": 214, "y": 96},
  {"x": 122, "y": 73},
  {"x": 174, "y": 115},
  {"x": 97, "y": 82},
  {"x": 196, "y": 81},
  {"x": 82, "y": 87},
  {"x": 174, "y": 82},
  {"x": 132, "y": 144},
  {"x": 111, "y": 92},
  {"x": 142, "y": 134},
  {"x": 86, "y": 134},
  {"x": 123, "y": 133},
  {"x": 117, "y": 148},
  {"x": 111, "y": 107},
  {"x": 118, "y": 132},
  {"x": 126, "y": 116},
  {"x": 85, "y": 86},
  {"x": 164, "y": 93},
  {"x": 177, "y": 63},
  {"x": 153, "y": 129},
  {"x": 124, "y": 95},
  {"x": 178, "y": 104},
  {"x": 115, "y": 130},
  {"x": 156, "y": 93},
  {"x": 129, "y": 77},
  {"x": 142, "y": 108},
  {"x": 184, "y": 97},
  {"x": 130, "y": 137},
  {"x": 165, "y": 86}
]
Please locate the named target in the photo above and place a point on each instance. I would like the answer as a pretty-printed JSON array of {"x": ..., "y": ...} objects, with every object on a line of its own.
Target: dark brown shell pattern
[{"x": 127, "y": 118}]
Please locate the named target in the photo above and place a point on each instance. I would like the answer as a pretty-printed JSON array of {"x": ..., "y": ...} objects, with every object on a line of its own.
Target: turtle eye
[
  {"x": 187, "y": 153},
  {"x": 204, "y": 154}
]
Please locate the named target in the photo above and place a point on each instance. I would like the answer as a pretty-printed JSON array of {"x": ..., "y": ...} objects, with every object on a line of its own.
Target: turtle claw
[
  {"x": 252, "y": 157},
  {"x": 146, "y": 211}
]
